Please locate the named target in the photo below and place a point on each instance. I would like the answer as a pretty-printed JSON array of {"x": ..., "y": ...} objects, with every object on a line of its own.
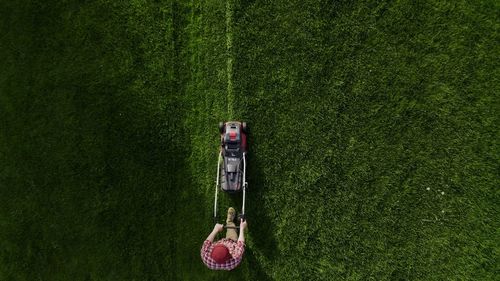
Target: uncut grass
[{"x": 374, "y": 144}]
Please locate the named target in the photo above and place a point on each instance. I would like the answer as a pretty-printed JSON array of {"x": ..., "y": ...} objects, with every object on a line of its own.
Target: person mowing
[{"x": 225, "y": 254}]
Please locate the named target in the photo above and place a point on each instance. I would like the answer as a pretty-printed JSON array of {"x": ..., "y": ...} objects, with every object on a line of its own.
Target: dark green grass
[{"x": 374, "y": 138}]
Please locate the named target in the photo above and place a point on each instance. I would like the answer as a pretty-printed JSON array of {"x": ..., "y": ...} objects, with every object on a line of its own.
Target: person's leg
[{"x": 231, "y": 232}]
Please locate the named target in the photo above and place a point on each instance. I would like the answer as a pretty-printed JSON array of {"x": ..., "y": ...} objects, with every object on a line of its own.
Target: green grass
[{"x": 374, "y": 149}]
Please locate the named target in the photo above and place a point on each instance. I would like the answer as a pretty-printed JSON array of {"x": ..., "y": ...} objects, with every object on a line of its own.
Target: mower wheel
[{"x": 221, "y": 127}]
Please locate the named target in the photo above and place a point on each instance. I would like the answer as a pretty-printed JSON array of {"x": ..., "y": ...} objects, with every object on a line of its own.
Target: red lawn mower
[{"x": 231, "y": 165}]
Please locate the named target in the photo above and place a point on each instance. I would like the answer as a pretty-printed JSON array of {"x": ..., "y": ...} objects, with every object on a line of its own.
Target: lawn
[{"x": 374, "y": 138}]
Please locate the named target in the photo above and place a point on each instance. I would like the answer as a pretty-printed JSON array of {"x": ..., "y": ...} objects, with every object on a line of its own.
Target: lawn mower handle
[
  {"x": 242, "y": 217},
  {"x": 231, "y": 227}
]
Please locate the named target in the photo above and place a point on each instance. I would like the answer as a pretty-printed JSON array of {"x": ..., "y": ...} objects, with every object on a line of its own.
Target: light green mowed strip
[
  {"x": 230, "y": 58},
  {"x": 373, "y": 144}
]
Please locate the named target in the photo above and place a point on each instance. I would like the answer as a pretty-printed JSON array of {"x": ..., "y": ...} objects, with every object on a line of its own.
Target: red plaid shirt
[{"x": 236, "y": 249}]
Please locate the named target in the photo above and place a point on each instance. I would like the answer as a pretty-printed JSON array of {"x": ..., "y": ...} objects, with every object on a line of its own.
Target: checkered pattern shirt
[{"x": 236, "y": 249}]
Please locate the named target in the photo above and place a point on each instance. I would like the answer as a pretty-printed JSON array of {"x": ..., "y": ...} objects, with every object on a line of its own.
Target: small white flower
[
  {"x": 442, "y": 193},
  {"x": 428, "y": 188}
]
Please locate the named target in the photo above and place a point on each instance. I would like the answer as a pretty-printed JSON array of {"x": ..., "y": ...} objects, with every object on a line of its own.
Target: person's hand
[
  {"x": 218, "y": 227},
  {"x": 243, "y": 225}
]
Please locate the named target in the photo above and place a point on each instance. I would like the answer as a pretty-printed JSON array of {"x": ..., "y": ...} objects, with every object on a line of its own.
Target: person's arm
[
  {"x": 243, "y": 227},
  {"x": 240, "y": 245},
  {"x": 217, "y": 228}
]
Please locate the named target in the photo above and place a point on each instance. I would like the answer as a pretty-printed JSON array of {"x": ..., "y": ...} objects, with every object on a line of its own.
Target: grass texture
[{"x": 374, "y": 151}]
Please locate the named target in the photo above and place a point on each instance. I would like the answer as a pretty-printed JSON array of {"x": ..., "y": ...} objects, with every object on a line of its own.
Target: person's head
[{"x": 220, "y": 254}]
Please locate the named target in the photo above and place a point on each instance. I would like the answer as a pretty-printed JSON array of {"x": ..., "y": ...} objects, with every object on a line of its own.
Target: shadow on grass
[
  {"x": 257, "y": 272},
  {"x": 261, "y": 228}
]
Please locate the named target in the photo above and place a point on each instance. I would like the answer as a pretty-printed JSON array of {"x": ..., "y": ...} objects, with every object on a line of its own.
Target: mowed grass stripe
[
  {"x": 230, "y": 58},
  {"x": 207, "y": 102}
]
